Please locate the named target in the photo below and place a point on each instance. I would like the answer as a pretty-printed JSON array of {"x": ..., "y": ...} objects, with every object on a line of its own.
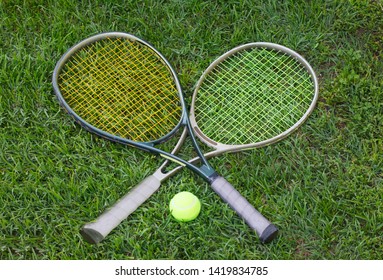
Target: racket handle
[
  {"x": 265, "y": 229},
  {"x": 96, "y": 231}
]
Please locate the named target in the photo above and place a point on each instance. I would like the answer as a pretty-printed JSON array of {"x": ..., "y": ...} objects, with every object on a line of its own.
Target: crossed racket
[{"x": 121, "y": 88}]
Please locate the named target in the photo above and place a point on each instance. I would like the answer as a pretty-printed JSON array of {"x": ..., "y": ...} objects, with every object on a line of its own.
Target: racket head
[
  {"x": 253, "y": 95},
  {"x": 121, "y": 88}
]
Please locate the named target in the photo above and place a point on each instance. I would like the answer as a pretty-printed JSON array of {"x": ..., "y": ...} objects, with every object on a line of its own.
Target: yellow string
[{"x": 122, "y": 87}]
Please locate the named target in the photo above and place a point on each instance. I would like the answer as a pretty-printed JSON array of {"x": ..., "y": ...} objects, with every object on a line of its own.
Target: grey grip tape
[
  {"x": 264, "y": 228},
  {"x": 96, "y": 231}
]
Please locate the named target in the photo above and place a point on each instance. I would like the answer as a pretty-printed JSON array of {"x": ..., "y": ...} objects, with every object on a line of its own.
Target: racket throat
[{"x": 209, "y": 172}]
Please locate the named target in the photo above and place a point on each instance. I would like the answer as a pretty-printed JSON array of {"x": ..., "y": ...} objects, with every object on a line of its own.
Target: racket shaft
[
  {"x": 96, "y": 231},
  {"x": 264, "y": 228}
]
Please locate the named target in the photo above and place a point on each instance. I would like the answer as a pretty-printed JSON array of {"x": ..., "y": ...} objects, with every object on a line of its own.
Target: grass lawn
[{"x": 322, "y": 186}]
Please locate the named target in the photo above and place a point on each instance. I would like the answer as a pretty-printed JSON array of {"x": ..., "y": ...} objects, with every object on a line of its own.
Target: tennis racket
[{"x": 119, "y": 87}]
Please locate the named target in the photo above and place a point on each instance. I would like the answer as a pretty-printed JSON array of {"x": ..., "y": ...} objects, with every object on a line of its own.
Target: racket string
[
  {"x": 253, "y": 96},
  {"x": 134, "y": 85}
]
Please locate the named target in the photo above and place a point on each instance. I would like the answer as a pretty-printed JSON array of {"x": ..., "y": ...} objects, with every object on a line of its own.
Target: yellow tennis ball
[{"x": 185, "y": 206}]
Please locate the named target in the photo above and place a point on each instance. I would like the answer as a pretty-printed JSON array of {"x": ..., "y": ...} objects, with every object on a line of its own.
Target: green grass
[{"x": 323, "y": 186}]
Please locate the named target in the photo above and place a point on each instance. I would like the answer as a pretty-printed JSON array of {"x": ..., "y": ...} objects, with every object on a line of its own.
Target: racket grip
[
  {"x": 96, "y": 231},
  {"x": 264, "y": 228}
]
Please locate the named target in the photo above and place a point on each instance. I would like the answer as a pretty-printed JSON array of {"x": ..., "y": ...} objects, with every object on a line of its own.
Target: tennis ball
[{"x": 185, "y": 206}]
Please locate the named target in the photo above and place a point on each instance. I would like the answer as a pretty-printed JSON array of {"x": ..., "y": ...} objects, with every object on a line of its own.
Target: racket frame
[
  {"x": 205, "y": 171},
  {"x": 222, "y": 148}
]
